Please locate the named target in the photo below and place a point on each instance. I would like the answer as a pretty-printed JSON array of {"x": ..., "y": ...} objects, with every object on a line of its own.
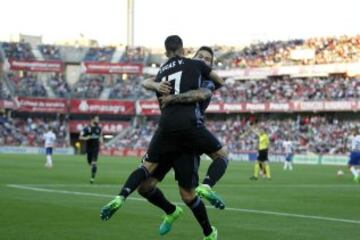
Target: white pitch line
[
  {"x": 354, "y": 186},
  {"x": 283, "y": 214}
]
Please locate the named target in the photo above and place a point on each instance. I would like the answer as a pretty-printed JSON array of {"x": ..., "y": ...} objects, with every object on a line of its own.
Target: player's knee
[
  {"x": 222, "y": 154},
  {"x": 147, "y": 186},
  {"x": 223, "y": 160},
  {"x": 145, "y": 191},
  {"x": 187, "y": 195},
  {"x": 149, "y": 166}
]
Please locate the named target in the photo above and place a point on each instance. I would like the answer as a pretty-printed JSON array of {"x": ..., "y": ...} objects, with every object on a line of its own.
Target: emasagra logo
[{"x": 84, "y": 106}]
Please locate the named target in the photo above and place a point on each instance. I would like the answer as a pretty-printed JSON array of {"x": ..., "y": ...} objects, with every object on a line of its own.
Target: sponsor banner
[
  {"x": 95, "y": 106},
  {"x": 147, "y": 107},
  {"x": 51, "y": 105},
  {"x": 307, "y": 159},
  {"x": 125, "y": 152},
  {"x": 215, "y": 107},
  {"x": 111, "y": 68},
  {"x": 36, "y": 66},
  {"x": 352, "y": 69},
  {"x": 247, "y": 156},
  {"x": 279, "y": 107},
  {"x": 35, "y": 150},
  {"x": 233, "y": 107},
  {"x": 322, "y": 106},
  {"x": 335, "y": 160},
  {"x": 7, "y": 104},
  {"x": 108, "y": 127}
]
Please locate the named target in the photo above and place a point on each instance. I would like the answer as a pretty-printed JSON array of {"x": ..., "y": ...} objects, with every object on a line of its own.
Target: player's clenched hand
[
  {"x": 165, "y": 100},
  {"x": 164, "y": 88}
]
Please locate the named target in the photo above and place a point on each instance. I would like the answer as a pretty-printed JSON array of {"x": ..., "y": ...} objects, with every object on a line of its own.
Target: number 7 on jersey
[{"x": 174, "y": 77}]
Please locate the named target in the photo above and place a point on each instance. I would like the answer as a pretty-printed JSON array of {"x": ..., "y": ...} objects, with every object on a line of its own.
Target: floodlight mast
[{"x": 130, "y": 23}]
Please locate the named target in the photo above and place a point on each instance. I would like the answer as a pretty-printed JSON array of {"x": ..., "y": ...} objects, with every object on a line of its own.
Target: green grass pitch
[{"x": 310, "y": 202}]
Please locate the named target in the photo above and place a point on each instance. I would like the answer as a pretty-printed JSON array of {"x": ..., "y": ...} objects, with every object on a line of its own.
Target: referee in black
[{"x": 93, "y": 137}]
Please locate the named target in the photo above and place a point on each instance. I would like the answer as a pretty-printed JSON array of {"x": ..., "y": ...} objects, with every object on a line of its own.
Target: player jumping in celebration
[
  {"x": 179, "y": 127},
  {"x": 354, "y": 161},
  {"x": 289, "y": 151},
  {"x": 92, "y": 135},
  {"x": 202, "y": 97},
  {"x": 49, "y": 139},
  {"x": 148, "y": 189}
]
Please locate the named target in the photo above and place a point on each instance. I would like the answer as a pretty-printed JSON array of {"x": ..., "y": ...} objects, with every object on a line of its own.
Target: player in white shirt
[
  {"x": 289, "y": 151},
  {"x": 49, "y": 139},
  {"x": 354, "y": 161}
]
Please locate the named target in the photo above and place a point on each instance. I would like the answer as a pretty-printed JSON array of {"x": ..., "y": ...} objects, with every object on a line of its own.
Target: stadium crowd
[
  {"x": 129, "y": 88},
  {"x": 17, "y": 50},
  {"x": 50, "y": 52},
  {"x": 133, "y": 55},
  {"x": 284, "y": 89},
  {"x": 316, "y": 134},
  {"x": 59, "y": 85},
  {"x": 324, "y": 50},
  {"x": 89, "y": 86},
  {"x": 137, "y": 136},
  {"x": 99, "y": 54},
  {"x": 271, "y": 89},
  {"x": 4, "y": 93},
  {"x": 27, "y": 84},
  {"x": 29, "y": 132}
]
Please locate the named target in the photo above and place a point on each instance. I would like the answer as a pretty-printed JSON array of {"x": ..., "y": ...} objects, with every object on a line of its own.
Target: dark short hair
[
  {"x": 173, "y": 43},
  {"x": 209, "y": 50}
]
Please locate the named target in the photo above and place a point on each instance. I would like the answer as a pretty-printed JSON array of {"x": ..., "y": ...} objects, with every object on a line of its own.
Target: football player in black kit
[
  {"x": 93, "y": 137},
  {"x": 148, "y": 189},
  {"x": 180, "y": 130}
]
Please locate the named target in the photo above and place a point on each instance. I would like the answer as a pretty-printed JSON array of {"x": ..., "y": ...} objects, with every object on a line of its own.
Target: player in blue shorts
[
  {"x": 289, "y": 154},
  {"x": 49, "y": 142},
  {"x": 354, "y": 161}
]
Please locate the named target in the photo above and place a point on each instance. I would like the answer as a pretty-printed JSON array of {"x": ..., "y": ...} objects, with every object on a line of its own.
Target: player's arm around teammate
[{"x": 203, "y": 96}]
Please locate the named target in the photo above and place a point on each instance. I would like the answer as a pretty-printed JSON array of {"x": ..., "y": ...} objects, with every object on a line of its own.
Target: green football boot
[
  {"x": 205, "y": 191},
  {"x": 109, "y": 209},
  {"x": 168, "y": 220},
  {"x": 213, "y": 235}
]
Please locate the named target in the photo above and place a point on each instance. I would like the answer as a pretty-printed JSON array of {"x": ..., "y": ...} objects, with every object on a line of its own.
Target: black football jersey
[
  {"x": 184, "y": 74},
  {"x": 95, "y": 133}
]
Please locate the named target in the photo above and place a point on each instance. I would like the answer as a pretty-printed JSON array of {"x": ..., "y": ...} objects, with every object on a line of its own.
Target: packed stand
[
  {"x": 138, "y": 136},
  {"x": 59, "y": 85},
  {"x": 50, "y": 52},
  {"x": 17, "y": 50},
  {"x": 4, "y": 92},
  {"x": 29, "y": 132},
  {"x": 130, "y": 88},
  {"x": 27, "y": 84},
  {"x": 284, "y": 89},
  {"x": 89, "y": 86},
  {"x": 99, "y": 54},
  {"x": 322, "y": 51},
  {"x": 316, "y": 134},
  {"x": 133, "y": 55}
]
